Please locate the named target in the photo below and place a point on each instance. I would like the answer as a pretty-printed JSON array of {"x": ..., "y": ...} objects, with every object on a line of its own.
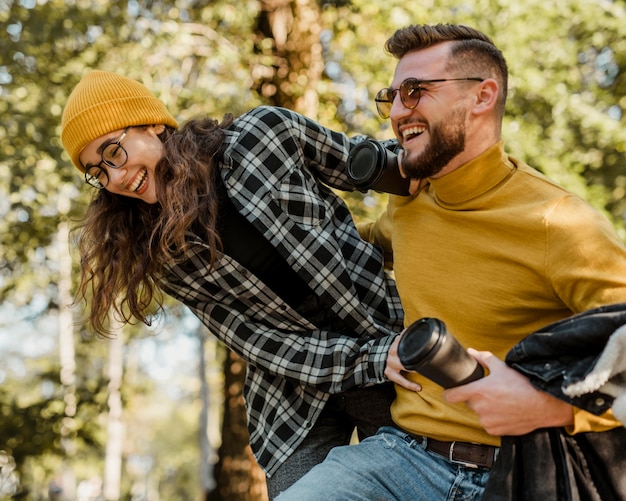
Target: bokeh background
[{"x": 156, "y": 413}]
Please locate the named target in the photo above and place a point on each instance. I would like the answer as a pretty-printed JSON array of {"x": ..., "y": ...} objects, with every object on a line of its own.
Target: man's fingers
[{"x": 487, "y": 359}]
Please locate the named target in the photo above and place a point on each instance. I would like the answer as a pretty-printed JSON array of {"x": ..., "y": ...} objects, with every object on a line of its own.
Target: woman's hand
[{"x": 395, "y": 371}]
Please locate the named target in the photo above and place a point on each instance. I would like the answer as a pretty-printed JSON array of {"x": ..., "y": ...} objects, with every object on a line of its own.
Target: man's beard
[{"x": 447, "y": 140}]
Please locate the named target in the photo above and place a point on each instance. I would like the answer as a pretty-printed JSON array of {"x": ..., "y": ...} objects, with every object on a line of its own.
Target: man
[{"x": 489, "y": 246}]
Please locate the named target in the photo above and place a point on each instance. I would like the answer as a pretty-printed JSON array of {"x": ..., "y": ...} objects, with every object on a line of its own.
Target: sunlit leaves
[{"x": 565, "y": 113}]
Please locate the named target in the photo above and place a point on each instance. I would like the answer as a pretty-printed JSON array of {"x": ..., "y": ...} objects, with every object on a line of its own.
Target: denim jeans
[
  {"x": 362, "y": 409},
  {"x": 388, "y": 466}
]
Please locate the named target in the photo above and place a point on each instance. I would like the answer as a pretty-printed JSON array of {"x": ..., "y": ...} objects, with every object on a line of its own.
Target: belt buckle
[{"x": 456, "y": 461}]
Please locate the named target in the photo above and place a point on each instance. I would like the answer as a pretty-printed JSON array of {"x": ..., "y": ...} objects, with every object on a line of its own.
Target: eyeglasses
[
  {"x": 410, "y": 93},
  {"x": 113, "y": 155}
]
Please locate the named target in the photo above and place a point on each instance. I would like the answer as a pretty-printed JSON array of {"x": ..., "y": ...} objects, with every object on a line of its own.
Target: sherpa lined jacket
[{"x": 579, "y": 360}]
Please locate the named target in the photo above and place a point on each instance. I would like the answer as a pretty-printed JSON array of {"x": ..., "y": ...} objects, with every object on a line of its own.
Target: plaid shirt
[{"x": 272, "y": 160}]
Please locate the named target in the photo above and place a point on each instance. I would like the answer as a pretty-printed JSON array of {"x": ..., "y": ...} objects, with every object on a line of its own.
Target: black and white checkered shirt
[{"x": 272, "y": 161}]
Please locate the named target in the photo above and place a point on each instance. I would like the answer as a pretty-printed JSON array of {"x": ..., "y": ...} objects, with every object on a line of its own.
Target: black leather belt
[{"x": 465, "y": 453}]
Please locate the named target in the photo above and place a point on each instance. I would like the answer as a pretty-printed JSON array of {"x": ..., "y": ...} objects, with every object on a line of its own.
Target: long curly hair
[{"x": 125, "y": 243}]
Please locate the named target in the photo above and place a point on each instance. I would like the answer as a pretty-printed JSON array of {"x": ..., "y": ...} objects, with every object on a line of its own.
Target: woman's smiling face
[{"x": 135, "y": 177}]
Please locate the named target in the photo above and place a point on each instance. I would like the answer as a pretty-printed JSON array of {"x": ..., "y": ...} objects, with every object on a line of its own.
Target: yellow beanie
[{"x": 103, "y": 102}]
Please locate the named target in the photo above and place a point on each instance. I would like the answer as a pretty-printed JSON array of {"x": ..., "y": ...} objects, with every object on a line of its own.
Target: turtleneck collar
[{"x": 474, "y": 178}]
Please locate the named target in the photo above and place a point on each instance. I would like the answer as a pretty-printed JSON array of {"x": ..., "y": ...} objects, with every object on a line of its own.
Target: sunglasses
[{"x": 410, "y": 93}]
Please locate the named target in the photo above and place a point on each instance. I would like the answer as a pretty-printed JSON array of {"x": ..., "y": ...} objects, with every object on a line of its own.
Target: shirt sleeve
[
  {"x": 329, "y": 361},
  {"x": 379, "y": 232},
  {"x": 587, "y": 266},
  {"x": 586, "y": 260},
  {"x": 585, "y": 422},
  {"x": 251, "y": 320},
  {"x": 302, "y": 142}
]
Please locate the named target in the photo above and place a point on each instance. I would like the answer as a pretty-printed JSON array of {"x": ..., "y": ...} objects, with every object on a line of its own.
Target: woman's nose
[{"x": 116, "y": 176}]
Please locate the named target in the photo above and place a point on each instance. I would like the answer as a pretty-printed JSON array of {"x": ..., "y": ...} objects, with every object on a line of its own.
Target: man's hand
[
  {"x": 395, "y": 371},
  {"x": 506, "y": 402}
]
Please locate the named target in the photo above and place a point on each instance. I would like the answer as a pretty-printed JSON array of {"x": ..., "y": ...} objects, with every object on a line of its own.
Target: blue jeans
[
  {"x": 388, "y": 466},
  {"x": 363, "y": 409}
]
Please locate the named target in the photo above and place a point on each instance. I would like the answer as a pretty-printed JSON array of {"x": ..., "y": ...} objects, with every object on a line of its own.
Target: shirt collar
[{"x": 474, "y": 178}]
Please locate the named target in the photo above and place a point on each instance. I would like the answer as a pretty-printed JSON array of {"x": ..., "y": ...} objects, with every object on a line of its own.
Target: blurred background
[{"x": 156, "y": 413}]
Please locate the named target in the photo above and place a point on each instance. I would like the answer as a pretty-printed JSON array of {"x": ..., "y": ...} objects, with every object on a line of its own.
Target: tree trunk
[
  {"x": 290, "y": 62},
  {"x": 67, "y": 353},
  {"x": 115, "y": 425},
  {"x": 238, "y": 476},
  {"x": 207, "y": 482}
]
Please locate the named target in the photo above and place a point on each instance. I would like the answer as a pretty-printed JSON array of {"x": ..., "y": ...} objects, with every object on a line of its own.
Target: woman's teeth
[{"x": 139, "y": 181}]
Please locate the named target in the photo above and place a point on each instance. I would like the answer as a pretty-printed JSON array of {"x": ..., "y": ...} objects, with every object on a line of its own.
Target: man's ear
[{"x": 487, "y": 96}]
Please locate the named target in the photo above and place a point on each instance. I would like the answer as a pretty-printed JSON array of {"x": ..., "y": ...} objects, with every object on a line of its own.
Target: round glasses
[
  {"x": 113, "y": 155},
  {"x": 410, "y": 93}
]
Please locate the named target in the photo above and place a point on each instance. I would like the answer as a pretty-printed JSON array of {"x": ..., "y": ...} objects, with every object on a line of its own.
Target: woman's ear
[{"x": 158, "y": 129}]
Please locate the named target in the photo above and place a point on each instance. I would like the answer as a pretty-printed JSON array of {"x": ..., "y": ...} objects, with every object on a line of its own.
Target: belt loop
[{"x": 451, "y": 454}]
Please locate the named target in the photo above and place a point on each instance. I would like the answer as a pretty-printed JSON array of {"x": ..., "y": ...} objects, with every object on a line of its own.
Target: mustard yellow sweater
[{"x": 495, "y": 250}]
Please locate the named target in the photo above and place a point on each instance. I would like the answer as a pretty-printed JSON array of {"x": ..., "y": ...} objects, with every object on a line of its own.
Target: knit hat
[{"x": 103, "y": 102}]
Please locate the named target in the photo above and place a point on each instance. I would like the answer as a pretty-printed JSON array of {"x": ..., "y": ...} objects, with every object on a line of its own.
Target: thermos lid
[{"x": 420, "y": 341}]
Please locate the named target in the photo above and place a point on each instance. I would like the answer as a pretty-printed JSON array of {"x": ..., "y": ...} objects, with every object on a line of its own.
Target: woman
[{"x": 231, "y": 219}]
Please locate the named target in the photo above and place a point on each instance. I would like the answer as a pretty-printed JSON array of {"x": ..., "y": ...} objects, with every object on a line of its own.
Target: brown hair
[
  {"x": 472, "y": 52},
  {"x": 124, "y": 243}
]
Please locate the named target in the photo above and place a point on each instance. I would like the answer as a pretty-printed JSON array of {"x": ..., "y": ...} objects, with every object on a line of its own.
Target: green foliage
[
  {"x": 33, "y": 421},
  {"x": 170, "y": 448},
  {"x": 565, "y": 116},
  {"x": 566, "y": 59}
]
